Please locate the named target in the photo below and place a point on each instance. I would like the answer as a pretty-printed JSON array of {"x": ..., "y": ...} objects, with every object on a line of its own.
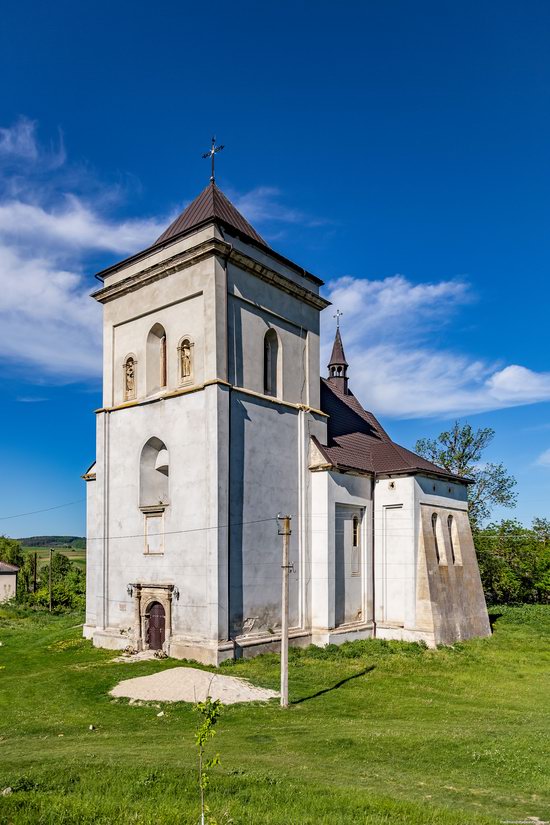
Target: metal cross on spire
[
  {"x": 212, "y": 154},
  {"x": 338, "y": 316}
]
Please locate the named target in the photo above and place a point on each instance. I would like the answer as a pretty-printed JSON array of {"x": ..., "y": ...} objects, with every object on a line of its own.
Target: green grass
[
  {"x": 377, "y": 733},
  {"x": 77, "y": 556}
]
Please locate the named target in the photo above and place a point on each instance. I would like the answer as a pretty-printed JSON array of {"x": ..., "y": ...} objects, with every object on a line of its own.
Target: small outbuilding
[{"x": 8, "y": 581}]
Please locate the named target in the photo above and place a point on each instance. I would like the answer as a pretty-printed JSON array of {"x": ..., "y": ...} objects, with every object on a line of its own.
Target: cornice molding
[
  {"x": 206, "y": 249},
  {"x": 200, "y": 387}
]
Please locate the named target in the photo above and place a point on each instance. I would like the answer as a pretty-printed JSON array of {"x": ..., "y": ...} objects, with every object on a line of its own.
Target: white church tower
[{"x": 214, "y": 420}]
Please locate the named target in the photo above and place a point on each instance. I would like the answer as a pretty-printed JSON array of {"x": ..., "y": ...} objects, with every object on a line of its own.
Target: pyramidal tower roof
[
  {"x": 210, "y": 205},
  {"x": 338, "y": 358}
]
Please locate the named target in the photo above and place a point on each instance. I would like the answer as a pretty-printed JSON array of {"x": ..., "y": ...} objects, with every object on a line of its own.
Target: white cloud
[
  {"x": 263, "y": 205},
  {"x": 544, "y": 459},
  {"x": 49, "y": 326},
  {"x": 18, "y": 142},
  {"x": 387, "y": 328}
]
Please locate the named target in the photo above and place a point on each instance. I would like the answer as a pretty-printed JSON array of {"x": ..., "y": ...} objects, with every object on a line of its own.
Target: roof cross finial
[
  {"x": 212, "y": 154},
  {"x": 338, "y": 316}
]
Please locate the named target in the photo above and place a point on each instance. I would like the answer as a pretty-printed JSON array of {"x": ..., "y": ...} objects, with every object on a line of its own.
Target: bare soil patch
[{"x": 188, "y": 684}]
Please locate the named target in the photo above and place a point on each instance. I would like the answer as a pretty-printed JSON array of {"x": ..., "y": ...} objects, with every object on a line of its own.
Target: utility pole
[
  {"x": 34, "y": 571},
  {"x": 285, "y": 532},
  {"x": 50, "y": 578}
]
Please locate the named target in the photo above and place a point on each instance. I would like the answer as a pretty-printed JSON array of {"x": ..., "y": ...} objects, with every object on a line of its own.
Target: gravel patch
[{"x": 188, "y": 684}]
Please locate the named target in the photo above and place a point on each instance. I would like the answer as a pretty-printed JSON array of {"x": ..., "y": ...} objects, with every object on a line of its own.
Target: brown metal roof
[
  {"x": 338, "y": 357},
  {"x": 8, "y": 568},
  {"x": 211, "y": 204},
  {"x": 357, "y": 441}
]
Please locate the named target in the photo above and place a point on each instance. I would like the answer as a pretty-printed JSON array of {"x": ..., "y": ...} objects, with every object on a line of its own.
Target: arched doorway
[{"x": 156, "y": 626}]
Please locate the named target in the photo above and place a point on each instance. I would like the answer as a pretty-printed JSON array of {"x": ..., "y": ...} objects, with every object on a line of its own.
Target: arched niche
[
  {"x": 154, "y": 475},
  {"x": 272, "y": 364},
  {"x": 185, "y": 360},
  {"x": 129, "y": 377},
  {"x": 156, "y": 366},
  {"x": 454, "y": 540}
]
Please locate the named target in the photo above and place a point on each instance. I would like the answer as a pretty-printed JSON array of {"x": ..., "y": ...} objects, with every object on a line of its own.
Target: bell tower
[{"x": 338, "y": 366}]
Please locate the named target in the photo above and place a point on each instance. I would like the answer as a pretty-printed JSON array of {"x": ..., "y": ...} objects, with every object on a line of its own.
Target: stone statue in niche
[
  {"x": 185, "y": 358},
  {"x": 130, "y": 379}
]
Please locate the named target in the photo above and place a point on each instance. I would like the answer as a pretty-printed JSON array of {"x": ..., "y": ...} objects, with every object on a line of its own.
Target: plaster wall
[
  {"x": 265, "y": 481},
  {"x": 253, "y": 308},
  {"x": 450, "y": 599},
  {"x": 328, "y": 490},
  {"x": 8, "y": 586},
  {"x": 188, "y": 425},
  {"x": 184, "y": 303},
  {"x": 263, "y": 256},
  {"x": 162, "y": 255},
  {"x": 395, "y": 530}
]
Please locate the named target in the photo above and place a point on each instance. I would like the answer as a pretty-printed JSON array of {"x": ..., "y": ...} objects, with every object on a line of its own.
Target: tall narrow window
[
  {"x": 271, "y": 365},
  {"x": 451, "y": 544},
  {"x": 439, "y": 541},
  {"x": 156, "y": 364},
  {"x": 163, "y": 380},
  {"x": 355, "y": 546},
  {"x": 436, "y": 543}
]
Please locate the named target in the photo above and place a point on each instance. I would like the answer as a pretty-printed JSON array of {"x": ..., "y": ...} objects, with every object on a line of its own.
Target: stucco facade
[
  {"x": 8, "y": 581},
  {"x": 213, "y": 423}
]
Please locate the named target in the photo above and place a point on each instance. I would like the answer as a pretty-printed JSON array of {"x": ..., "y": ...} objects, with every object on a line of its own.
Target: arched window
[
  {"x": 436, "y": 543},
  {"x": 271, "y": 363},
  {"x": 439, "y": 540},
  {"x": 154, "y": 471},
  {"x": 129, "y": 378},
  {"x": 454, "y": 540},
  {"x": 451, "y": 545},
  {"x": 156, "y": 359},
  {"x": 185, "y": 361}
]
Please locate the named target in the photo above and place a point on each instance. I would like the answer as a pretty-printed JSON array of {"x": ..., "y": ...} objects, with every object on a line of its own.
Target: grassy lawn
[{"x": 377, "y": 733}]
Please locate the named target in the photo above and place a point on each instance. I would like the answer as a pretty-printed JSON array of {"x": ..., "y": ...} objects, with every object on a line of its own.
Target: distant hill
[{"x": 74, "y": 542}]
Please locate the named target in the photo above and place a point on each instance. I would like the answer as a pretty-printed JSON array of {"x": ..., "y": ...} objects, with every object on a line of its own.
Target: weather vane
[
  {"x": 212, "y": 154},
  {"x": 338, "y": 316}
]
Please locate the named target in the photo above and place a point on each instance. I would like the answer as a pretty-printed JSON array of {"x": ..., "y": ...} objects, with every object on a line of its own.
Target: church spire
[{"x": 338, "y": 366}]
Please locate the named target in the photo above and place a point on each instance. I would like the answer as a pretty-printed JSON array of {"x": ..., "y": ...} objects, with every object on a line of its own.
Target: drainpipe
[
  {"x": 230, "y": 397},
  {"x": 373, "y": 557}
]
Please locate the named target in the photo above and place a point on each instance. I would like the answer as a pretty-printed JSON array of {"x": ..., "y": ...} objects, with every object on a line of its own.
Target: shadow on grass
[
  {"x": 339, "y": 684},
  {"x": 493, "y": 618}
]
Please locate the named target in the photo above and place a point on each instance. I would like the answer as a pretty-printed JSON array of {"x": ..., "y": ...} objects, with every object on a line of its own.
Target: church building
[{"x": 215, "y": 420}]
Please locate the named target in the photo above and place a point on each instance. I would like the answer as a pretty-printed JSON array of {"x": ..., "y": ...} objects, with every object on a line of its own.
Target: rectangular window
[{"x": 154, "y": 533}]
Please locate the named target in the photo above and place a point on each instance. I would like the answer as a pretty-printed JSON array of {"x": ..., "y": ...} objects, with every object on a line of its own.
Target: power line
[{"x": 44, "y": 510}]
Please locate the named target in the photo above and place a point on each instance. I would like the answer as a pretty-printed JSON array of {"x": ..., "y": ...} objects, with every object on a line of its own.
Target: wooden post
[
  {"x": 50, "y": 578},
  {"x": 284, "y": 604}
]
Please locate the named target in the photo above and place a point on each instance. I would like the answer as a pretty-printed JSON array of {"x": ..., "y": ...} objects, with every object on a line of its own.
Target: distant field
[
  {"x": 377, "y": 733},
  {"x": 43, "y": 553}
]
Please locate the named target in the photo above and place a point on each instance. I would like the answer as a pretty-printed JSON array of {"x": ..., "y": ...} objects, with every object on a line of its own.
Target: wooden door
[{"x": 156, "y": 626}]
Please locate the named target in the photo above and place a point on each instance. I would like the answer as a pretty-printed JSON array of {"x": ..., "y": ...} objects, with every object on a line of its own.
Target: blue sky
[{"x": 398, "y": 150}]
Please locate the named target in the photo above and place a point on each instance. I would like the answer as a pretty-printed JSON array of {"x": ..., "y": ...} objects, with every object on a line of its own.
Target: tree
[
  {"x": 209, "y": 711},
  {"x": 459, "y": 451},
  {"x": 11, "y": 552},
  {"x": 514, "y": 562}
]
